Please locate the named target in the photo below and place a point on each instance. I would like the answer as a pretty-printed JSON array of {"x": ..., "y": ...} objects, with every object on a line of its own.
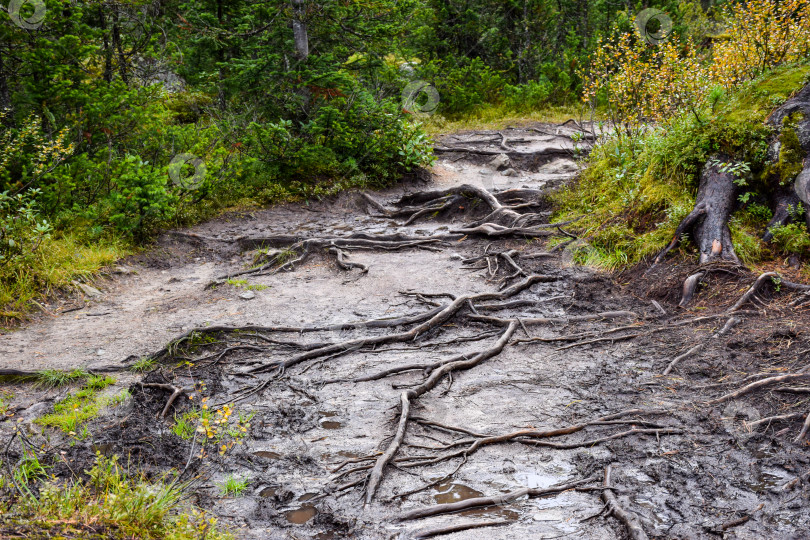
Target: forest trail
[{"x": 552, "y": 372}]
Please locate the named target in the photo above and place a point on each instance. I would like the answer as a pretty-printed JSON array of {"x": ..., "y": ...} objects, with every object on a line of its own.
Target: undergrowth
[
  {"x": 641, "y": 182},
  {"x": 109, "y": 502},
  {"x": 70, "y": 413}
]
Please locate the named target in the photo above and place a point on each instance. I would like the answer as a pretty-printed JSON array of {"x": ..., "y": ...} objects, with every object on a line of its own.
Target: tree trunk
[
  {"x": 300, "y": 30},
  {"x": 707, "y": 223}
]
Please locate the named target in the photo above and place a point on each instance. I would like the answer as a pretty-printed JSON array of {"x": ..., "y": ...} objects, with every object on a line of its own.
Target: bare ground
[{"x": 576, "y": 387}]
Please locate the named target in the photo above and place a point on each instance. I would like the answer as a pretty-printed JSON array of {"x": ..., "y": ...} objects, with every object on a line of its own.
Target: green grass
[
  {"x": 54, "y": 378},
  {"x": 110, "y": 502},
  {"x": 233, "y": 486},
  {"x": 639, "y": 186},
  {"x": 185, "y": 424},
  {"x": 143, "y": 365},
  {"x": 77, "y": 408},
  {"x": 243, "y": 284},
  {"x": 57, "y": 262}
]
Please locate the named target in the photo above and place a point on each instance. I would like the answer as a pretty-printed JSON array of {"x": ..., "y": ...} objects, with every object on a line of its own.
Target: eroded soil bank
[{"x": 542, "y": 374}]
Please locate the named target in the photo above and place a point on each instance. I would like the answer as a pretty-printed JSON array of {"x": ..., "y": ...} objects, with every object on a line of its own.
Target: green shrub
[
  {"x": 21, "y": 229},
  {"x": 791, "y": 238},
  {"x": 530, "y": 96}
]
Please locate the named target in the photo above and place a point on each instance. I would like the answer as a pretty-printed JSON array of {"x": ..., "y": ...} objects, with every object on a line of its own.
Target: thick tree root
[
  {"x": 502, "y": 220},
  {"x": 480, "y": 502},
  {"x": 630, "y": 520},
  {"x": 465, "y": 526},
  {"x": 176, "y": 391}
]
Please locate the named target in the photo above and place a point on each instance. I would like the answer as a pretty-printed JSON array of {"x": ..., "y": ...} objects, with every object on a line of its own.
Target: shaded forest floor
[{"x": 556, "y": 374}]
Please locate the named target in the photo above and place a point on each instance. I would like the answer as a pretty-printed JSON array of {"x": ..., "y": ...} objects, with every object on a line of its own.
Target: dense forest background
[{"x": 119, "y": 118}]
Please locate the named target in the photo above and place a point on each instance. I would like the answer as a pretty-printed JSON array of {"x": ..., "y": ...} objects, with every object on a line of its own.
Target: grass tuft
[
  {"x": 233, "y": 486},
  {"x": 77, "y": 408},
  {"x": 110, "y": 502},
  {"x": 54, "y": 378}
]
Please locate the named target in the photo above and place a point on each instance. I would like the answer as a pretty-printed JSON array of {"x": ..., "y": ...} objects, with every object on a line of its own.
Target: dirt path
[{"x": 563, "y": 347}]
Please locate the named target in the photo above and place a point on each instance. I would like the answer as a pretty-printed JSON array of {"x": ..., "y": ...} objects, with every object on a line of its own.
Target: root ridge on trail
[
  {"x": 496, "y": 320},
  {"x": 430, "y": 354}
]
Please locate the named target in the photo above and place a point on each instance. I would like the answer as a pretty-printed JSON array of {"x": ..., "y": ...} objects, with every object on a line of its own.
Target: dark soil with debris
[{"x": 545, "y": 374}]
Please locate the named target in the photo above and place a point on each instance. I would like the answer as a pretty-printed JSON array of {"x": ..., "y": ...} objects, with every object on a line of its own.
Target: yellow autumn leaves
[
  {"x": 650, "y": 82},
  {"x": 44, "y": 152}
]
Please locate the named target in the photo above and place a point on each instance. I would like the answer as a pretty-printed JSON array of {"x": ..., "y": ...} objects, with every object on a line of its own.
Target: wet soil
[{"x": 694, "y": 470}]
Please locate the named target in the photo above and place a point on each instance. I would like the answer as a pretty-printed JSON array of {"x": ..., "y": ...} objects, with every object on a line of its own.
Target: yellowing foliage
[
  {"x": 644, "y": 81},
  {"x": 760, "y": 35},
  {"x": 650, "y": 82}
]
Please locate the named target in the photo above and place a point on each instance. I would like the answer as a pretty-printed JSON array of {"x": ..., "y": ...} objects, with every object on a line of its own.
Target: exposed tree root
[
  {"x": 501, "y": 221},
  {"x": 294, "y": 254},
  {"x": 406, "y": 397},
  {"x": 760, "y": 384},
  {"x": 730, "y": 323},
  {"x": 630, "y": 520},
  {"x": 479, "y": 502},
  {"x": 465, "y": 526},
  {"x": 543, "y": 153},
  {"x": 176, "y": 391},
  {"x": 441, "y": 316}
]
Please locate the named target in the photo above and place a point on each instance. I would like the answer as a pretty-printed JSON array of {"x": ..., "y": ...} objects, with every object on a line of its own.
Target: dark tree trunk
[
  {"x": 707, "y": 223},
  {"x": 796, "y": 191},
  {"x": 300, "y": 29},
  {"x": 784, "y": 202}
]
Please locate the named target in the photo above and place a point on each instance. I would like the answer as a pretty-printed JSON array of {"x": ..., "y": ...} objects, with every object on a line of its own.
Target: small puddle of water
[
  {"x": 450, "y": 492},
  {"x": 329, "y": 424},
  {"x": 105, "y": 449},
  {"x": 299, "y": 516},
  {"x": 267, "y": 492},
  {"x": 765, "y": 482},
  {"x": 267, "y": 454}
]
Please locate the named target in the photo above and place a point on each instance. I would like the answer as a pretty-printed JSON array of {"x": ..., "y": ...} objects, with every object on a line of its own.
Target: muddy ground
[{"x": 584, "y": 346}]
